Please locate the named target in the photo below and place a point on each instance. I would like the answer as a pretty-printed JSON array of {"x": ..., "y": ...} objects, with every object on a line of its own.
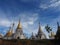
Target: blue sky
[{"x": 31, "y": 12}]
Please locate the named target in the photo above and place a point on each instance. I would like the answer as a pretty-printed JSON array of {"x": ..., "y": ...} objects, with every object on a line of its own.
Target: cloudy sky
[{"x": 31, "y": 12}]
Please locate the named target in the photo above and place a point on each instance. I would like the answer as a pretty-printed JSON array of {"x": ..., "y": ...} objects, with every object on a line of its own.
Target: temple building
[
  {"x": 18, "y": 34},
  {"x": 9, "y": 34},
  {"x": 32, "y": 36},
  {"x": 40, "y": 34},
  {"x": 52, "y": 35}
]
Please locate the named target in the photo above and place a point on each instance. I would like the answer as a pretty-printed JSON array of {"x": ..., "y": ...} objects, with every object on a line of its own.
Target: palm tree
[{"x": 48, "y": 29}]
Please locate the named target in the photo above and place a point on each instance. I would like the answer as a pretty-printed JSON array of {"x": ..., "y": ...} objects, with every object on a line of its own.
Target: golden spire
[
  {"x": 19, "y": 25},
  {"x": 10, "y": 32}
]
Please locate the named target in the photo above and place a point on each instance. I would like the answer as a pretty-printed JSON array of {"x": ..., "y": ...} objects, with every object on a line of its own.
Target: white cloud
[
  {"x": 31, "y": 22},
  {"x": 53, "y": 4},
  {"x": 44, "y": 6},
  {"x": 52, "y": 1},
  {"x": 25, "y": 25},
  {"x": 5, "y": 22}
]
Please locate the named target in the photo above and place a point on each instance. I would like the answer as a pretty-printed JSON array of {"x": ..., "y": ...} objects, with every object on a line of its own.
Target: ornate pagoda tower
[
  {"x": 40, "y": 34},
  {"x": 9, "y": 34},
  {"x": 32, "y": 36},
  {"x": 19, "y": 32},
  {"x": 58, "y": 31}
]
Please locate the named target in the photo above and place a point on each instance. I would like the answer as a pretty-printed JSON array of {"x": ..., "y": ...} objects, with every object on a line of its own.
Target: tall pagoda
[
  {"x": 58, "y": 31},
  {"x": 40, "y": 34},
  {"x": 19, "y": 32}
]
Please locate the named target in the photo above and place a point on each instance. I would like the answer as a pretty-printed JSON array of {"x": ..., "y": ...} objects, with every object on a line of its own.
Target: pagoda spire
[
  {"x": 57, "y": 36},
  {"x": 12, "y": 27},
  {"x": 58, "y": 24},
  {"x": 40, "y": 33},
  {"x": 39, "y": 30},
  {"x": 32, "y": 36},
  {"x": 10, "y": 31},
  {"x": 19, "y": 25}
]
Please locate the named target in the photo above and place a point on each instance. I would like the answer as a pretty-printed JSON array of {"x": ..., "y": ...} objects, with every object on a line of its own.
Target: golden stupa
[
  {"x": 52, "y": 34},
  {"x": 19, "y": 25},
  {"x": 9, "y": 33}
]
